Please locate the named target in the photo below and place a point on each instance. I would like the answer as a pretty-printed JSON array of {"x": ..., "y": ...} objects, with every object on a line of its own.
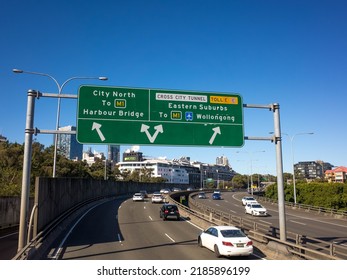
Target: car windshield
[
  {"x": 256, "y": 206},
  {"x": 232, "y": 233}
]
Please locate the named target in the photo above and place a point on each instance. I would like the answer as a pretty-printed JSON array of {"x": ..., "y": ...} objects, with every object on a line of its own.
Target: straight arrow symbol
[
  {"x": 96, "y": 126},
  {"x": 216, "y": 131}
]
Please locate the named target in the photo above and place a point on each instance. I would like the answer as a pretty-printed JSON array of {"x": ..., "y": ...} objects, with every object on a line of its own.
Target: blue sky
[{"x": 289, "y": 52}]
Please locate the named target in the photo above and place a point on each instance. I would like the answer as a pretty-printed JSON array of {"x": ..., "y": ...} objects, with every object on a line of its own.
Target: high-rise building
[
  {"x": 311, "y": 169},
  {"x": 67, "y": 144},
  {"x": 113, "y": 154},
  {"x": 223, "y": 160}
]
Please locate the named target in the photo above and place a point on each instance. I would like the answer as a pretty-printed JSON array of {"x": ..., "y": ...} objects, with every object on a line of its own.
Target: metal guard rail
[
  {"x": 318, "y": 209},
  {"x": 303, "y": 246}
]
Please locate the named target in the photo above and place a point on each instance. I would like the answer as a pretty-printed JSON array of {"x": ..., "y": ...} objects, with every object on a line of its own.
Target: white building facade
[{"x": 173, "y": 173}]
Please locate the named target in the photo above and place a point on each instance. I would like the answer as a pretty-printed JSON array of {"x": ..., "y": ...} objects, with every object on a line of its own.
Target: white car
[
  {"x": 138, "y": 197},
  {"x": 248, "y": 199},
  {"x": 226, "y": 241},
  {"x": 255, "y": 209},
  {"x": 165, "y": 191},
  {"x": 157, "y": 197}
]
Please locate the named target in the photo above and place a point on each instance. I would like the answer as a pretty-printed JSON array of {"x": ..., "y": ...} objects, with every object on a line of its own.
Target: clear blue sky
[{"x": 289, "y": 52}]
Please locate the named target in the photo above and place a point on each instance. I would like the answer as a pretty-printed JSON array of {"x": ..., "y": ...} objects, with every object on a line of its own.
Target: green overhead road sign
[{"x": 118, "y": 115}]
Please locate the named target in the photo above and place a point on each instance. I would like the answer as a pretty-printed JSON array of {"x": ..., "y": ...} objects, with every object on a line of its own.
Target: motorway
[
  {"x": 310, "y": 224},
  {"x": 128, "y": 230}
]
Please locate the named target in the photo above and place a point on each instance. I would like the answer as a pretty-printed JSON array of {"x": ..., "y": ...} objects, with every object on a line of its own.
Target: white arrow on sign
[
  {"x": 158, "y": 128},
  {"x": 216, "y": 131},
  {"x": 96, "y": 126}
]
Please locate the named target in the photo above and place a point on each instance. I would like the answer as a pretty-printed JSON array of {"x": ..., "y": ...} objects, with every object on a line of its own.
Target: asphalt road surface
[
  {"x": 128, "y": 231},
  {"x": 302, "y": 222}
]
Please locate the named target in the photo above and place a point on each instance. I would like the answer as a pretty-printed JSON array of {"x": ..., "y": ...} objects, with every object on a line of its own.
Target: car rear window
[{"x": 232, "y": 233}]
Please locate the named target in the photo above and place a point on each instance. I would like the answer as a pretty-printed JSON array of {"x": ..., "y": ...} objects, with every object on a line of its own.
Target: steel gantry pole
[
  {"x": 60, "y": 89},
  {"x": 279, "y": 168},
  {"x": 275, "y": 107},
  {"x": 29, "y": 131}
]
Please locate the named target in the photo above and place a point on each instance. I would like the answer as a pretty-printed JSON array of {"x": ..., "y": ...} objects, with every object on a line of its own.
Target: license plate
[{"x": 240, "y": 245}]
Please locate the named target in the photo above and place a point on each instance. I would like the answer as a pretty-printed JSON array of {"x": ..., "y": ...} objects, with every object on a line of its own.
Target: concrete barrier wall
[
  {"x": 54, "y": 196},
  {"x": 10, "y": 210}
]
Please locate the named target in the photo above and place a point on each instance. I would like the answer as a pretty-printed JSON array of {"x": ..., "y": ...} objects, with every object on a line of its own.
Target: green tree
[
  {"x": 11, "y": 165},
  {"x": 240, "y": 181}
]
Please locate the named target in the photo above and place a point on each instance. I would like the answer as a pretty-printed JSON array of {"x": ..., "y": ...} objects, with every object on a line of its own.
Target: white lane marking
[
  {"x": 192, "y": 224},
  {"x": 144, "y": 207},
  {"x": 217, "y": 204},
  {"x": 169, "y": 237},
  {"x": 298, "y": 222},
  {"x": 60, "y": 247},
  {"x": 119, "y": 238},
  {"x": 233, "y": 211},
  {"x": 150, "y": 218}
]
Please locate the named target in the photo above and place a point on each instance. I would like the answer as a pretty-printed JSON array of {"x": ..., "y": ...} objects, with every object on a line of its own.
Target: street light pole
[
  {"x": 251, "y": 159},
  {"x": 291, "y": 138},
  {"x": 60, "y": 89}
]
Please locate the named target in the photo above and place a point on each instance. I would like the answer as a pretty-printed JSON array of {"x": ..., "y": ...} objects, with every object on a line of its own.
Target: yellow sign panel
[
  {"x": 119, "y": 103},
  {"x": 176, "y": 115},
  {"x": 224, "y": 100}
]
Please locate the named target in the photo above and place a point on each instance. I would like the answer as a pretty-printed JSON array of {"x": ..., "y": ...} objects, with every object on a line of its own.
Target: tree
[
  {"x": 11, "y": 165},
  {"x": 240, "y": 181}
]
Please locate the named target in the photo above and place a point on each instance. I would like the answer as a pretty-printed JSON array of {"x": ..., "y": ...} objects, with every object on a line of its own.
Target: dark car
[
  {"x": 216, "y": 196},
  {"x": 169, "y": 210}
]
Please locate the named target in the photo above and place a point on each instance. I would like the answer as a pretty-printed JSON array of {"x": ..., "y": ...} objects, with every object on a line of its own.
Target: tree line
[
  {"x": 320, "y": 194},
  {"x": 11, "y": 168},
  {"x": 323, "y": 194}
]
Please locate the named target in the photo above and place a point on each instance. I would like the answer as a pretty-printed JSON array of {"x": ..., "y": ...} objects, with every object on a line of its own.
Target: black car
[
  {"x": 169, "y": 210},
  {"x": 216, "y": 196}
]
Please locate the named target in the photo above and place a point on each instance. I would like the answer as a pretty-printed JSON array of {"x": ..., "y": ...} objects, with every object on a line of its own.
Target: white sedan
[
  {"x": 255, "y": 209},
  {"x": 157, "y": 197},
  {"x": 248, "y": 199},
  {"x": 138, "y": 197},
  {"x": 226, "y": 241}
]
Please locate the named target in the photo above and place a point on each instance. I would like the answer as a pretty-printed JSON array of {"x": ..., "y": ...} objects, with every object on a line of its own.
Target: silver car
[{"x": 138, "y": 197}]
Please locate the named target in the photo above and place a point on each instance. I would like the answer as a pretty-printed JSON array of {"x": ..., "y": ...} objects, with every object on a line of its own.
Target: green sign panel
[{"x": 118, "y": 115}]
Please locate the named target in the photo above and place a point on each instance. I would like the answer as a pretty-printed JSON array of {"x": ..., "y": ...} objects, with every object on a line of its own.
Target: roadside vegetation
[
  {"x": 320, "y": 194},
  {"x": 11, "y": 168}
]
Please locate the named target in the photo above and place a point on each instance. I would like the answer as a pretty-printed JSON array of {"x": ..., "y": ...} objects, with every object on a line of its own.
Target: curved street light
[
  {"x": 291, "y": 138},
  {"x": 60, "y": 89},
  {"x": 251, "y": 160}
]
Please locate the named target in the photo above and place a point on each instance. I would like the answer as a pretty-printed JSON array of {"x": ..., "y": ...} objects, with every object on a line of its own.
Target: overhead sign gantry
[{"x": 119, "y": 115}]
